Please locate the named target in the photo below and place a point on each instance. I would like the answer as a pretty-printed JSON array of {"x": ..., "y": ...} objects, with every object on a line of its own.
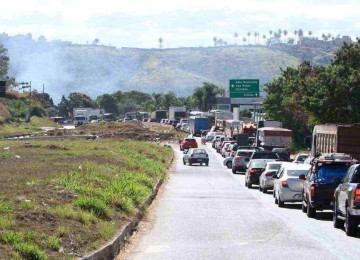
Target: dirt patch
[{"x": 38, "y": 216}]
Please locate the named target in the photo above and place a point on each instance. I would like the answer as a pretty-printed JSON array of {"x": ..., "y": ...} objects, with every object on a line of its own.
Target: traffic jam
[{"x": 326, "y": 177}]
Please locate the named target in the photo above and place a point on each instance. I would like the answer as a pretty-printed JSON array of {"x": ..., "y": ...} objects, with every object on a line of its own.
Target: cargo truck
[
  {"x": 197, "y": 124},
  {"x": 336, "y": 138},
  {"x": 271, "y": 137},
  {"x": 158, "y": 115},
  {"x": 176, "y": 113}
]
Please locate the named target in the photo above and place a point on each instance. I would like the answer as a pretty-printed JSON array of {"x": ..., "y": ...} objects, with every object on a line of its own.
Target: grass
[{"x": 74, "y": 198}]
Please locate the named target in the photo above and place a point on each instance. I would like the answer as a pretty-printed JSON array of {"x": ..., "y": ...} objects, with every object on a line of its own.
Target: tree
[
  {"x": 205, "y": 96},
  {"x": 285, "y": 32},
  {"x": 77, "y": 99},
  {"x": 264, "y": 38},
  {"x": 215, "y": 40},
  {"x": 248, "y": 34},
  {"x": 157, "y": 99},
  {"x": 160, "y": 42},
  {"x": 295, "y": 33},
  {"x": 270, "y": 32},
  {"x": 310, "y": 33},
  {"x": 244, "y": 40},
  {"x": 96, "y": 41},
  {"x": 108, "y": 102},
  {"x": 169, "y": 99},
  {"x": 4, "y": 63},
  {"x": 235, "y": 36},
  {"x": 63, "y": 107}
]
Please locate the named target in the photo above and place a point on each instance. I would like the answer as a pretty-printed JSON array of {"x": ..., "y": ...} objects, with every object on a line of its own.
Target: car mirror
[
  {"x": 275, "y": 176},
  {"x": 302, "y": 177}
]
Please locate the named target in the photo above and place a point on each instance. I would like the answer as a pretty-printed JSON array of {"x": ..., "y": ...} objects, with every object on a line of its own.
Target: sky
[{"x": 181, "y": 23}]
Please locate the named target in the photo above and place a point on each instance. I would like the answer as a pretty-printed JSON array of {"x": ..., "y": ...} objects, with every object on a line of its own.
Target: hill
[{"x": 64, "y": 67}]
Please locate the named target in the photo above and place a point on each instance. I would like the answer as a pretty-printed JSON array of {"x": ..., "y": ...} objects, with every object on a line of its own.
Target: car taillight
[
  {"x": 357, "y": 195},
  {"x": 237, "y": 158},
  {"x": 312, "y": 191},
  {"x": 284, "y": 183},
  {"x": 252, "y": 171},
  {"x": 268, "y": 174}
]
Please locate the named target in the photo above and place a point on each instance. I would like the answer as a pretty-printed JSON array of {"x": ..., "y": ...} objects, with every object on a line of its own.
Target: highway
[{"x": 208, "y": 213}]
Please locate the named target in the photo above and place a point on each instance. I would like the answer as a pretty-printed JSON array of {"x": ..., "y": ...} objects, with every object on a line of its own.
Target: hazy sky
[{"x": 140, "y": 23}]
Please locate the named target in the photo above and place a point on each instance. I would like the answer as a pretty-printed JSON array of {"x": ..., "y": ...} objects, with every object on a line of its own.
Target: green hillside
[{"x": 95, "y": 70}]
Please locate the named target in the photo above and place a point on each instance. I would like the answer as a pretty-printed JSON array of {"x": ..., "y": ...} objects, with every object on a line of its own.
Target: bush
[{"x": 93, "y": 204}]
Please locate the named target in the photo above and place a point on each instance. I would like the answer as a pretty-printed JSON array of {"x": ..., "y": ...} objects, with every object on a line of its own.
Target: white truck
[
  {"x": 85, "y": 115},
  {"x": 271, "y": 137},
  {"x": 176, "y": 113}
]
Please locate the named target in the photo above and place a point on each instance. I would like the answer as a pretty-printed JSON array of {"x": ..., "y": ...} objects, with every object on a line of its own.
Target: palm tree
[
  {"x": 248, "y": 34},
  {"x": 157, "y": 97},
  {"x": 310, "y": 33},
  {"x": 244, "y": 40},
  {"x": 264, "y": 38},
  {"x": 220, "y": 41},
  {"x": 300, "y": 34},
  {"x": 270, "y": 32},
  {"x": 329, "y": 36},
  {"x": 215, "y": 40},
  {"x": 235, "y": 36},
  {"x": 285, "y": 32},
  {"x": 169, "y": 98},
  {"x": 160, "y": 42},
  {"x": 323, "y": 36},
  {"x": 295, "y": 33}
]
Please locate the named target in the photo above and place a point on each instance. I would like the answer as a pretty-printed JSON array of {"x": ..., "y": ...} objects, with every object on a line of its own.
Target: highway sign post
[
  {"x": 244, "y": 88},
  {"x": 2, "y": 88}
]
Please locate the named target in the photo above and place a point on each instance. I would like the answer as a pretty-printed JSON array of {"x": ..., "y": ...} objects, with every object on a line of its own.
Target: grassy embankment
[{"x": 60, "y": 199}]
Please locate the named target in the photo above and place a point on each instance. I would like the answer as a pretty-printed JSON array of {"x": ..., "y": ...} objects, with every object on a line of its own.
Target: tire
[
  {"x": 207, "y": 163},
  {"x": 260, "y": 189},
  {"x": 281, "y": 204},
  {"x": 351, "y": 224},
  {"x": 276, "y": 200},
  {"x": 310, "y": 211},
  {"x": 184, "y": 162},
  {"x": 245, "y": 184},
  {"x": 190, "y": 163},
  {"x": 249, "y": 185},
  {"x": 229, "y": 164},
  {"x": 338, "y": 223},
  {"x": 303, "y": 207},
  {"x": 181, "y": 148},
  {"x": 233, "y": 171},
  {"x": 264, "y": 190}
]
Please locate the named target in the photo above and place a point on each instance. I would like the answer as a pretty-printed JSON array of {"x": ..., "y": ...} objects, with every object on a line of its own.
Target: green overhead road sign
[{"x": 244, "y": 88}]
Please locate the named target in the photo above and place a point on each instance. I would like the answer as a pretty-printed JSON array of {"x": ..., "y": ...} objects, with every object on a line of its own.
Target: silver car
[
  {"x": 300, "y": 158},
  {"x": 196, "y": 155},
  {"x": 266, "y": 178},
  {"x": 287, "y": 185}
]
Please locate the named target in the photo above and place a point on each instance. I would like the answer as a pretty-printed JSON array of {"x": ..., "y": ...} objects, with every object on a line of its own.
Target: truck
[
  {"x": 272, "y": 137},
  {"x": 322, "y": 179},
  {"x": 336, "y": 138},
  {"x": 176, "y": 113},
  {"x": 84, "y": 115},
  {"x": 266, "y": 123},
  {"x": 347, "y": 201},
  {"x": 158, "y": 115},
  {"x": 197, "y": 124}
]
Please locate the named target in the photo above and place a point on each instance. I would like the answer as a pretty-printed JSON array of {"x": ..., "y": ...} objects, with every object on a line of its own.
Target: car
[
  {"x": 225, "y": 147},
  {"x": 188, "y": 143},
  {"x": 230, "y": 152},
  {"x": 192, "y": 156},
  {"x": 162, "y": 121},
  {"x": 287, "y": 185},
  {"x": 264, "y": 155},
  {"x": 321, "y": 180},
  {"x": 254, "y": 170},
  {"x": 127, "y": 119},
  {"x": 283, "y": 154},
  {"x": 266, "y": 181},
  {"x": 347, "y": 202},
  {"x": 228, "y": 162},
  {"x": 222, "y": 142},
  {"x": 300, "y": 158},
  {"x": 240, "y": 160}
]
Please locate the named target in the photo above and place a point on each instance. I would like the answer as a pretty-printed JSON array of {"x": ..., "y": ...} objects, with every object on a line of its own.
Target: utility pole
[{"x": 25, "y": 85}]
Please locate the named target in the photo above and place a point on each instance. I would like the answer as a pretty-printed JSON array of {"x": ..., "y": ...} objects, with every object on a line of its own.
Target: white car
[
  {"x": 300, "y": 158},
  {"x": 287, "y": 185},
  {"x": 266, "y": 178},
  {"x": 196, "y": 155}
]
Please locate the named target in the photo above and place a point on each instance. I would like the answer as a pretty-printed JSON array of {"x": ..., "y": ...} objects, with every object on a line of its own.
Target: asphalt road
[{"x": 208, "y": 213}]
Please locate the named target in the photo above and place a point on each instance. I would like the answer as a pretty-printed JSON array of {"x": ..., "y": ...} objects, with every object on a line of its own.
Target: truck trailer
[
  {"x": 176, "y": 113},
  {"x": 271, "y": 137},
  {"x": 197, "y": 124},
  {"x": 336, "y": 138}
]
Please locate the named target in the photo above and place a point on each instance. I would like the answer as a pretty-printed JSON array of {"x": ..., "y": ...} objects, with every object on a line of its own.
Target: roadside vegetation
[
  {"x": 60, "y": 199},
  {"x": 308, "y": 95}
]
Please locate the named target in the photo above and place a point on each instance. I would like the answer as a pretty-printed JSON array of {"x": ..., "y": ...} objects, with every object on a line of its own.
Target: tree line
[{"x": 307, "y": 95}]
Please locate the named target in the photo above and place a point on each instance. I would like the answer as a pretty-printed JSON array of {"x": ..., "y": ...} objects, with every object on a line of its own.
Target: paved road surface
[{"x": 208, "y": 213}]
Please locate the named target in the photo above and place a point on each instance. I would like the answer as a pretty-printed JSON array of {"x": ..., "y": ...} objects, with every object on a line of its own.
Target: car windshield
[
  {"x": 190, "y": 140},
  {"x": 274, "y": 166},
  {"x": 296, "y": 173},
  {"x": 79, "y": 118},
  {"x": 199, "y": 151},
  {"x": 258, "y": 164},
  {"x": 245, "y": 154},
  {"x": 301, "y": 158},
  {"x": 330, "y": 171},
  {"x": 265, "y": 156}
]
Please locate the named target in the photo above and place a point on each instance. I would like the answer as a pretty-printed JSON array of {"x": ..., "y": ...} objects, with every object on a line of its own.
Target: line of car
[{"x": 329, "y": 182}]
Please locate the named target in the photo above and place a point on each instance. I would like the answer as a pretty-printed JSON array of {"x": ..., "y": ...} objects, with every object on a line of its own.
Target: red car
[{"x": 188, "y": 143}]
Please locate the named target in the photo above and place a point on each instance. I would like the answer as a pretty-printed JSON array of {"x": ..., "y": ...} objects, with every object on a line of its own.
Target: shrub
[
  {"x": 30, "y": 252},
  {"x": 93, "y": 204}
]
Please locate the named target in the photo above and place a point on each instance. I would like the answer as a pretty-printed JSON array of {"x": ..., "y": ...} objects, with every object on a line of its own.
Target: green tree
[
  {"x": 169, "y": 99},
  {"x": 4, "y": 63},
  {"x": 108, "y": 102},
  {"x": 63, "y": 107}
]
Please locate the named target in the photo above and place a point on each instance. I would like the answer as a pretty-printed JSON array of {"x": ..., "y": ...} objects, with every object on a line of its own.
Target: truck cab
[{"x": 322, "y": 179}]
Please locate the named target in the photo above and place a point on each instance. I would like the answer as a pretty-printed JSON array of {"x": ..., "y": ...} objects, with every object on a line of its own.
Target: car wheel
[
  {"x": 260, "y": 189},
  {"x": 310, "y": 211},
  {"x": 233, "y": 171},
  {"x": 303, "y": 207},
  {"x": 338, "y": 223},
  {"x": 264, "y": 190},
  {"x": 245, "y": 183},
  {"x": 350, "y": 224},
  {"x": 229, "y": 164},
  {"x": 207, "y": 164},
  {"x": 249, "y": 185},
  {"x": 190, "y": 163},
  {"x": 276, "y": 200},
  {"x": 184, "y": 162},
  {"x": 281, "y": 204}
]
